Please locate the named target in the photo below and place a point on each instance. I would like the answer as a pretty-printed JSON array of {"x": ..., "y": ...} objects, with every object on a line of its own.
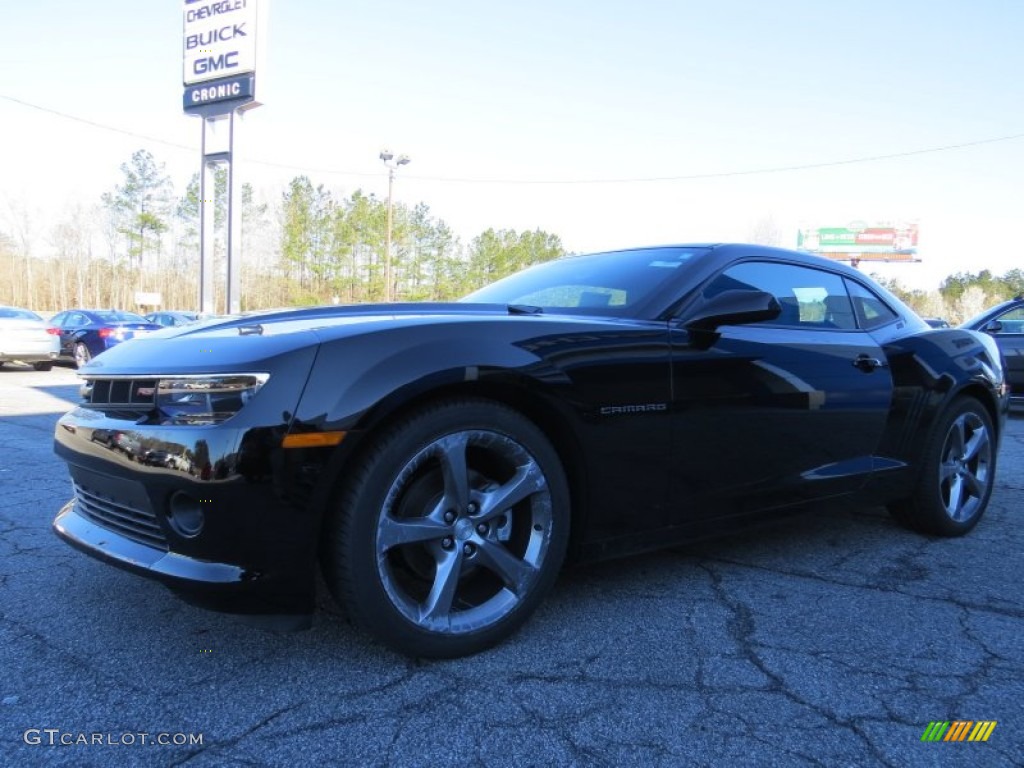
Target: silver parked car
[
  {"x": 173, "y": 317},
  {"x": 26, "y": 337}
]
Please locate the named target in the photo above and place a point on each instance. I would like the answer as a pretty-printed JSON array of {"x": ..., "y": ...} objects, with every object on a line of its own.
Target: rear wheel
[
  {"x": 957, "y": 473},
  {"x": 82, "y": 354},
  {"x": 450, "y": 529},
  {"x": 42, "y": 366}
]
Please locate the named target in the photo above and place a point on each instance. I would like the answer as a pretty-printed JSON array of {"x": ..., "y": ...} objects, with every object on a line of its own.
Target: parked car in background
[
  {"x": 85, "y": 333},
  {"x": 26, "y": 337},
  {"x": 168, "y": 318},
  {"x": 1005, "y": 323},
  {"x": 443, "y": 459},
  {"x": 175, "y": 318},
  {"x": 937, "y": 322}
]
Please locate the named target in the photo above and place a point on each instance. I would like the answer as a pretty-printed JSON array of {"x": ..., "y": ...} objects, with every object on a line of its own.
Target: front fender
[{"x": 357, "y": 375}]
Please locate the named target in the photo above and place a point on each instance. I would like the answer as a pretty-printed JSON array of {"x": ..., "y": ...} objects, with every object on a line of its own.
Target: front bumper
[
  {"x": 220, "y": 515},
  {"x": 169, "y": 567}
]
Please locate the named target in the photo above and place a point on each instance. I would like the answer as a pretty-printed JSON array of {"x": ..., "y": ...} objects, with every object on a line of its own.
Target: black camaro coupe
[{"x": 439, "y": 462}]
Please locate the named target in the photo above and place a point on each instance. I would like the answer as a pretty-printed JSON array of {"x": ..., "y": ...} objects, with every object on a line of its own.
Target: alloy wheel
[
  {"x": 82, "y": 355},
  {"x": 965, "y": 467},
  {"x": 464, "y": 531}
]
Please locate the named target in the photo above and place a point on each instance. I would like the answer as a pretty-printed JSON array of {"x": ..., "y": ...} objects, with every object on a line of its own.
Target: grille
[
  {"x": 135, "y": 395},
  {"x": 135, "y": 524},
  {"x": 131, "y": 392}
]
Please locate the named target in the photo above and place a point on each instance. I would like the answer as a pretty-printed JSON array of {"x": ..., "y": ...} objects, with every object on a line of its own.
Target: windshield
[{"x": 602, "y": 283}]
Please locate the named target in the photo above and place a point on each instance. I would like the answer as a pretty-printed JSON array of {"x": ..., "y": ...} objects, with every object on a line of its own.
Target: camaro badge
[{"x": 615, "y": 410}]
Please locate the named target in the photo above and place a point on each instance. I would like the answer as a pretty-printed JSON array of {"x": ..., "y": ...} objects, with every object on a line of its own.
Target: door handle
[{"x": 867, "y": 363}]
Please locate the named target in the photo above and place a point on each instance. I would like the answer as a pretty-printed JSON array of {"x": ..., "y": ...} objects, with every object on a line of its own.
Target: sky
[{"x": 609, "y": 124}]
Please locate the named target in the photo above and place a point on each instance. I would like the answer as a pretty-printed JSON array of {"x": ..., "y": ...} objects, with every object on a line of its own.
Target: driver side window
[{"x": 810, "y": 298}]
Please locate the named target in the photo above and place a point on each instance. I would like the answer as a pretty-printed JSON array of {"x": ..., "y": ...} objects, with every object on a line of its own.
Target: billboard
[{"x": 862, "y": 242}]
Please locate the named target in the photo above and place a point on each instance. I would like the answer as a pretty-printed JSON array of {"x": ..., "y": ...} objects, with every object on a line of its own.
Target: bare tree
[
  {"x": 970, "y": 303},
  {"x": 765, "y": 231},
  {"x": 71, "y": 239},
  {"x": 21, "y": 226}
]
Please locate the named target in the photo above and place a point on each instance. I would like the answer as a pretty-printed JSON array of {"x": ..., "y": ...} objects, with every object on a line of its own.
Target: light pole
[{"x": 392, "y": 163}]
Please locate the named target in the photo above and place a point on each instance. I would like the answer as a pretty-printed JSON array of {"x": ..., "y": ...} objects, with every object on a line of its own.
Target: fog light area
[{"x": 185, "y": 515}]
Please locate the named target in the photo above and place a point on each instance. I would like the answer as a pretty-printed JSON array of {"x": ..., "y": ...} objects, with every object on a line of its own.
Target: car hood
[{"x": 253, "y": 341}]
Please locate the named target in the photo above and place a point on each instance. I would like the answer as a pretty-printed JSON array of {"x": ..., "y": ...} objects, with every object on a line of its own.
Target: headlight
[
  {"x": 198, "y": 400},
  {"x": 169, "y": 400}
]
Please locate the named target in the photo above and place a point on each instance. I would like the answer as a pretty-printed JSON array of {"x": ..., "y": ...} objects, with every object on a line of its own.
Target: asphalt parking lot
[{"x": 834, "y": 639}]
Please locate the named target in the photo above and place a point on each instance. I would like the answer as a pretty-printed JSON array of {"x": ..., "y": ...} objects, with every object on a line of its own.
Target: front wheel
[
  {"x": 82, "y": 354},
  {"x": 957, "y": 473},
  {"x": 43, "y": 366},
  {"x": 450, "y": 529}
]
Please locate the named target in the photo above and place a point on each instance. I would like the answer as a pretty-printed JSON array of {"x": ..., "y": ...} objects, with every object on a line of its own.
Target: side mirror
[
  {"x": 993, "y": 326},
  {"x": 737, "y": 307}
]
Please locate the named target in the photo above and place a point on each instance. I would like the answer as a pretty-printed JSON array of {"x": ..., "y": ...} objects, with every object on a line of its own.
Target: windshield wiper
[{"x": 525, "y": 309}]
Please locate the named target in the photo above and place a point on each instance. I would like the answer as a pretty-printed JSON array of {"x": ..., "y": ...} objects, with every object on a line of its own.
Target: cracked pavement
[{"x": 830, "y": 639}]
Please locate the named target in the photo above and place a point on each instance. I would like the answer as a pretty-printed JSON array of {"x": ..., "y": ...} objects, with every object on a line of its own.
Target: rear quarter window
[{"x": 871, "y": 311}]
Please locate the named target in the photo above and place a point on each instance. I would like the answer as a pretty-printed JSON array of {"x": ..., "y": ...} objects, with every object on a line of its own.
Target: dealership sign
[
  {"x": 229, "y": 89},
  {"x": 221, "y": 52},
  {"x": 882, "y": 242}
]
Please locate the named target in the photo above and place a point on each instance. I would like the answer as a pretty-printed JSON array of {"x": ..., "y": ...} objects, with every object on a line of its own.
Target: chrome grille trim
[
  {"x": 136, "y": 524},
  {"x": 119, "y": 392}
]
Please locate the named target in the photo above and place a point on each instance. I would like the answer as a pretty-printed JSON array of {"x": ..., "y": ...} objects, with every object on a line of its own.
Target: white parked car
[{"x": 26, "y": 337}]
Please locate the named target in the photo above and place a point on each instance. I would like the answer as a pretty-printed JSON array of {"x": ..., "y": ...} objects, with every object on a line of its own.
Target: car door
[
  {"x": 778, "y": 411},
  {"x": 619, "y": 374}
]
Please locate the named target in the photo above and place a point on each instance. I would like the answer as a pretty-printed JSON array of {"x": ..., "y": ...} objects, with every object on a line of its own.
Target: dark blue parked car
[{"x": 84, "y": 333}]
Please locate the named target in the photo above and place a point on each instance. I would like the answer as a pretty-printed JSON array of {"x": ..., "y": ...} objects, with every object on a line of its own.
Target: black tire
[
  {"x": 82, "y": 354},
  {"x": 957, "y": 473},
  {"x": 424, "y": 550},
  {"x": 42, "y": 366}
]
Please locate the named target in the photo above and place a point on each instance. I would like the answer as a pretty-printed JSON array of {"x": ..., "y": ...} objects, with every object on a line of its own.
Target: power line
[
  {"x": 471, "y": 180},
  {"x": 175, "y": 145},
  {"x": 101, "y": 126},
  {"x": 728, "y": 174}
]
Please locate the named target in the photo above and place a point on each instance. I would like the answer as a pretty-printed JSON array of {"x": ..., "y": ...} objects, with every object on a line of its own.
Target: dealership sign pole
[{"x": 223, "y": 46}]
